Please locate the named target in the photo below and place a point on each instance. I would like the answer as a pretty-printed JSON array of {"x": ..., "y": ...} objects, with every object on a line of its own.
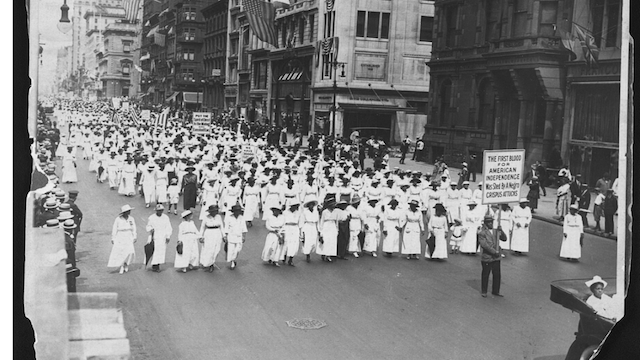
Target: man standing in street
[
  {"x": 491, "y": 256},
  {"x": 404, "y": 148},
  {"x": 472, "y": 167},
  {"x": 417, "y": 154}
]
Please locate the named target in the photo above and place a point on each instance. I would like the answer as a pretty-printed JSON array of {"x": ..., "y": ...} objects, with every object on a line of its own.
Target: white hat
[
  {"x": 596, "y": 279},
  {"x": 464, "y": 164},
  {"x": 480, "y": 183},
  {"x": 524, "y": 200},
  {"x": 186, "y": 213},
  {"x": 574, "y": 206},
  {"x": 465, "y": 183},
  {"x": 125, "y": 208},
  {"x": 159, "y": 207},
  {"x": 472, "y": 202}
]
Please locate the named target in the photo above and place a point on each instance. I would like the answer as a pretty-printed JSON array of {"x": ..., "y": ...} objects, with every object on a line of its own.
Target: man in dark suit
[
  {"x": 491, "y": 255},
  {"x": 77, "y": 214}
]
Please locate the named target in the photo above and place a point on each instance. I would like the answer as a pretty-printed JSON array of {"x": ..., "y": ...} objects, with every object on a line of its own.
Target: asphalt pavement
[{"x": 374, "y": 308}]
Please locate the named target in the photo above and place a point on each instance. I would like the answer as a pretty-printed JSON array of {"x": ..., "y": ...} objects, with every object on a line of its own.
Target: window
[
  {"x": 372, "y": 24},
  {"x": 188, "y": 54},
  {"x": 301, "y": 26},
  {"x": 605, "y": 16},
  {"x": 548, "y": 15},
  {"x": 492, "y": 15},
  {"x": 187, "y": 74},
  {"x": 126, "y": 68},
  {"x": 189, "y": 34},
  {"x": 451, "y": 25},
  {"x": 312, "y": 21},
  {"x": 426, "y": 28},
  {"x": 188, "y": 13},
  {"x": 260, "y": 75},
  {"x": 234, "y": 47},
  {"x": 520, "y": 17},
  {"x": 326, "y": 66},
  {"x": 126, "y": 46}
]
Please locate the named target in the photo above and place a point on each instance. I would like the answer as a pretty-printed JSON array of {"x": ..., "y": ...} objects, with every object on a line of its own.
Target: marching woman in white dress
[
  {"x": 471, "y": 221},
  {"x": 211, "y": 196},
  {"x": 111, "y": 169},
  {"x": 159, "y": 228},
  {"x": 86, "y": 146},
  {"x": 128, "y": 179},
  {"x": 355, "y": 225},
  {"x": 123, "y": 235},
  {"x": 162, "y": 183},
  {"x": 391, "y": 228},
  {"x": 61, "y": 150},
  {"x": 272, "y": 198},
  {"x": 148, "y": 181},
  {"x": 438, "y": 227},
  {"x": 251, "y": 201},
  {"x": 506, "y": 223},
  {"x": 309, "y": 227},
  {"x": 211, "y": 235},
  {"x": 69, "y": 173},
  {"x": 413, "y": 224},
  {"x": 275, "y": 238},
  {"x": 521, "y": 220},
  {"x": 329, "y": 218},
  {"x": 371, "y": 221},
  {"x": 188, "y": 237},
  {"x": 93, "y": 164},
  {"x": 573, "y": 232},
  {"x": 291, "y": 232}
]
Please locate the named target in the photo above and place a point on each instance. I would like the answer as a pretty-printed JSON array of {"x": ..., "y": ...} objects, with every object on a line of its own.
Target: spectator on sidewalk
[
  {"x": 575, "y": 185},
  {"x": 472, "y": 167},
  {"x": 610, "y": 208},
  {"x": 534, "y": 193},
  {"x": 404, "y": 148},
  {"x": 563, "y": 200},
  {"x": 603, "y": 184},
  {"x": 598, "y": 205},
  {"x": 463, "y": 175},
  {"x": 564, "y": 173},
  {"x": 614, "y": 187},
  {"x": 541, "y": 172},
  {"x": 417, "y": 153},
  {"x": 583, "y": 204}
]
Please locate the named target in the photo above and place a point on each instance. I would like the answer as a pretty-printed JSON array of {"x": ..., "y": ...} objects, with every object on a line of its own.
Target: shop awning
[
  {"x": 152, "y": 32},
  {"x": 293, "y": 75},
  {"x": 192, "y": 97},
  {"x": 172, "y": 97}
]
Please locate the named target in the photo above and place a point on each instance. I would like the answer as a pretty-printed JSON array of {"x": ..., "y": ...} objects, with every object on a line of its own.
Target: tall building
[
  {"x": 381, "y": 79},
  {"x": 115, "y": 61},
  {"x": 215, "y": 54},
  {"x": 502, "y": 78},
  {"x": 63, "y": 68}
]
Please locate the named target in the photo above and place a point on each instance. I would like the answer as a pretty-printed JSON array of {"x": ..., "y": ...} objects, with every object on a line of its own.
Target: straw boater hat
[
  {"x": 356, "y": 199},
  {"x": 596, "y": 279},
  {"x": 524, "y": 200},
  {"x": 465, "y": 183},
  {"x": 69, "y": 224},
  {"x": 125, "y": 208},
  {"x": 480, "y": 183},
  {"x": 488, "y": 217},
  {"x": 159, "y": 207},
  {"x": 311, "y": 201},
  {"x": 414, "y": 203},
  {"x": 472, "y": 203},
  {"x": 64, "y": 207},
  {"x": 186, "y": 213},
  {"x": 52, "y": 223}
]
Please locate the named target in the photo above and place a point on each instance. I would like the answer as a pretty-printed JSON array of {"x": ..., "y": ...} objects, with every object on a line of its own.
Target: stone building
[
  {"x": 115, "y": 60},
  {"x": 215, "y": 54}
]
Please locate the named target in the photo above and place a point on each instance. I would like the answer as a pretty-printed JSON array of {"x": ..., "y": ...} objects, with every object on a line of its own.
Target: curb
[{"x": 588, "y": 231}]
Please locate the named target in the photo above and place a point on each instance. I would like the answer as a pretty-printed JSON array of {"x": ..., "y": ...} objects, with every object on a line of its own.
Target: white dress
[
  {"x": 520, "y": 236},
  {"x": 391, "y": 220},
  {"x": 188, "y": 235},
  {"x": 251, "y": 202},
  {"x": 69, "y": 173},
  {"x": 272, "y": 199},
  {"x": 471, "y": 222},
  {"x": 123, "y": 234},
  {"x": 162, "y": 182},
  {"x": 506, "y": 222},
  {"x": 162, "y": 232},
  {"x": 148, "y": 182},
  {"x": 573, "y": 227},
  {"x": 272, "y": 247},
  {"x": 309, "y": 220},
  {"x": 413, "y": 225},
  {"x": 329, "y": 232},
  {"x": 211, "y": 230},
  {"x": 438, "y": 226},
  {"x": 127, "y": 180},
  {"x": 355, "y": 227},
  {"x": 372, "y": 234},
  {"x": 291, "y": 232}
]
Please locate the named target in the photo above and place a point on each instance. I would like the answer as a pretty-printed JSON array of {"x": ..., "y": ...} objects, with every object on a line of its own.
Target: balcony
[{"x": 298, "y": 7}]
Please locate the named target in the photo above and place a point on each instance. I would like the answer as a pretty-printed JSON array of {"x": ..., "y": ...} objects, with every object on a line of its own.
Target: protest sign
[
  {"x": 503, "y": 170},
  {"x": 201, "y": 123},
  {"x": 247, "y": 152},
  {"x": 145, "y": 115}
]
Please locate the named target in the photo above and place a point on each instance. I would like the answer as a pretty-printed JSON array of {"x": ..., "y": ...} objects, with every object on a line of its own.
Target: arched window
[
  {"x": 445, "y": 102},
  {"x": 486, "y": 102}
]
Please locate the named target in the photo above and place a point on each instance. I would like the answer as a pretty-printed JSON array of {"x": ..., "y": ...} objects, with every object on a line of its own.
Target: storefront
[{"x": 593, "y": 109}]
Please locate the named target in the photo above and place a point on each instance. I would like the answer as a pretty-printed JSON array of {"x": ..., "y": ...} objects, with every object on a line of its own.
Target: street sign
[
  {"x": 503, "y": 174},
  {"x": 145, "y": 114},
  {"x": 201, "y": 123}
]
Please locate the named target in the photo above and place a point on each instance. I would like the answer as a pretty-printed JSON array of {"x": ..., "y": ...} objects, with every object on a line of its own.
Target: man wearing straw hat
[
  {"x": 235, "y": 230},
  {"x": 491, "y": 255}
]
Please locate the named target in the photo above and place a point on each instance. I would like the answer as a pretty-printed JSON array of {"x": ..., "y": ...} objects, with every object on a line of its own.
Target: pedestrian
[
  {"x": 275, "y": 238},
  {"x": 211, "y": 235},
  {"x": 148, "y": 182},
  {"x": 472, "y": 168},
  {"x": 600, "y": 302},
  {"x": 251, "y": 201},
  {"x": 69, "y": 227},
  {"x": 506, "y": 223},
  {"x": 69, "y": 173},
  {"x": 563, "y": 199},
  {"x": 127, "y": 180},
  {"x": 328, "y": 241},
  {"x": 189, "y": 188},
  {"x": 75, "y": 210},
  {"x": 438, "y": 227},
  {"x": 343, "y": 230},
  {"x": 404, "y": 148},
  {"x": 610, "y": 208},
  {"x": 573, "y": 235},
  {"x": 541, "y": 173},
  {"x": 123, "y": 236},
  {"x": 291, "y": 232},
  {"x": 603, "y": 184},
  {"x": 235, "y": 230},
  {"x": 574, "y": 185},
  {"x": 463, "y": 175},
  {"x": 187, "y": 257},
  {"x": 521, "y": 221},
  {"x": 534, "y": 193},
  {"x": 491, "y": 256},
  {"x": 456, "y": 233},
  {"x": 309, "y": 220},
  {"x": 417, "y": 153},
  {"x": 598, "y": 210},
  {"x": 159, "y": 229},
  {"x": 162, "y": 183},
  {"x": 391, "y": 228},
  {"x": 173, "y": 192},
  {"x": 583, "y": 203}
]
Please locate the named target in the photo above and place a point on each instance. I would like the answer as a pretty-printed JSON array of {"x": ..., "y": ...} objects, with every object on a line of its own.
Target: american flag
[
  {"x": 261, "y": 15},
  {"x": 135, "y": 117},
  {"x": 161, "y": 121},
  {"x": 131, "y": 8}
]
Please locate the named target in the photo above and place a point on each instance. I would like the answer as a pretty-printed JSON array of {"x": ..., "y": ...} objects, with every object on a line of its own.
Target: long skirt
[
  {"x": 93, "y": 164},
  {"x": 570, "y": 247},
  {"x": 391, "y": 242},
  {"x": 506, "y": 244},
  {"x": 211, "y": 247},
  {"x": 69, "y": 173},
  {"x": 189, "y": 253},
  {"x": 520, "y": 239},
  {"x": 161, "y": 191},
  {"x": 371, "y": 240},
  {"x": 127, "y": 185},
  {"x": 190, "y": 194},
  {"x": 112, "y": 174},
  {"x": 329, "y": 246},
  {"x": 354, "y": 241},
  {"x": 310, "y": 235},
  {"x": 469, "y": 241},
  {"x": 122, "y": 252},
  {"x": 272, "y": 248},
  {"x": 411, "y": 241},
  {"x": 272, "y": 200},
  {"x": 233, "y": 249},
  {"x": 291, "y": 242},
  {"x": 251, "y": 208},
  {"x": 159, "y": 252},
  {"x": 440, "y": 251}
]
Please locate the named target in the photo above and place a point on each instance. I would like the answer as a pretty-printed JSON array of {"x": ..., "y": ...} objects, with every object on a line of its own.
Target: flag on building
[
  {"x": 329, "y": 5},
  {"x": 589, "y": 46},
  {"x": 131, "y": 8},
  {"x": 261, "y": 15},
  {"x": 563, "y": 30}
]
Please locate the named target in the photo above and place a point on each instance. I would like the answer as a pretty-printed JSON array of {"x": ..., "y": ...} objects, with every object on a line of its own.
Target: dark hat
[
  {"x": 488, "y": 217},
  {"x": 236, "y": 208},
  {"x": 393, "y": 202},
  {"x": 213, "y": 208},
  {"x": 275, "y": 208},
  {"x": 73, "y": 193}
]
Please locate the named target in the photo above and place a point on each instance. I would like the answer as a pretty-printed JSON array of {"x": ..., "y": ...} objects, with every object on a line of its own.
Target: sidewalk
[{"x": 546, "y": 210}]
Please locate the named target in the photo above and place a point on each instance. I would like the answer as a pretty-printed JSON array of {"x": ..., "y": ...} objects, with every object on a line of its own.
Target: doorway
[{"x": 436, "y": 152}]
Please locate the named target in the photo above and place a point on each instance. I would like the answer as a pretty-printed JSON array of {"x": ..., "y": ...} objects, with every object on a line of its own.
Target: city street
[{"x": 374, "y": 308}]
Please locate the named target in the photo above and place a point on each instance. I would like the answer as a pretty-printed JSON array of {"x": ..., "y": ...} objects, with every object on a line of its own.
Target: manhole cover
[{"x": 306, "y": 324}]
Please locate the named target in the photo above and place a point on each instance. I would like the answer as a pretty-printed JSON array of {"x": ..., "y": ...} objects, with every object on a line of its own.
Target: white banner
[
  {"x": 503, "y": 172},
  {"x": 145, "y": 114},
  {"x": 116, "y": 103},
  {"x": 201, "y": 123},
  {"x": 125, "y": 105}
]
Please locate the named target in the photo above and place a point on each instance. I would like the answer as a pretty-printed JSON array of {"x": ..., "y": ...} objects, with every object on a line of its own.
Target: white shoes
[
  {"x": 121, "y": 270},
  {"x": 355, "y": 255},
  {"x": 374, "y": 254}
]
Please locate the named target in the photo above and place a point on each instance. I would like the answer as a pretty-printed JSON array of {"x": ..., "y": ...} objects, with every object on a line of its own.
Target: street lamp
[
  {"x": 65, "y": 24},
  {"x": 335, "y": 65}
]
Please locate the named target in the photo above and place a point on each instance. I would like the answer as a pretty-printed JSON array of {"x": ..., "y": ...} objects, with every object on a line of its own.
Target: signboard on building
[
  {"x": 145, "y": 114},
  {"x": 201, "y": 123},
  {"x": 503, "y": 172},
  {"x": 370, "y": 66}
]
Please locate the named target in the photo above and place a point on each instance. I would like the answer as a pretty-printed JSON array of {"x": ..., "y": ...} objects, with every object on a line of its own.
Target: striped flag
[
  {"x": 261, "y": 15},
  {"x": 589, "y": 46},
  {"x": 161, "y": 121},
  {"x": 131, "y": 8},
  {"x": 135, "y": 117}
]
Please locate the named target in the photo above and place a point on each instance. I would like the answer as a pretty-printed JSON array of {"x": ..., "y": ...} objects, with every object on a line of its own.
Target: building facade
[
  {"x": 376, "y": 51},
  {"x": 502, "y": 78},
  {"x": 115, "y": 62},
  {"x": 215, "y": 54}
]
